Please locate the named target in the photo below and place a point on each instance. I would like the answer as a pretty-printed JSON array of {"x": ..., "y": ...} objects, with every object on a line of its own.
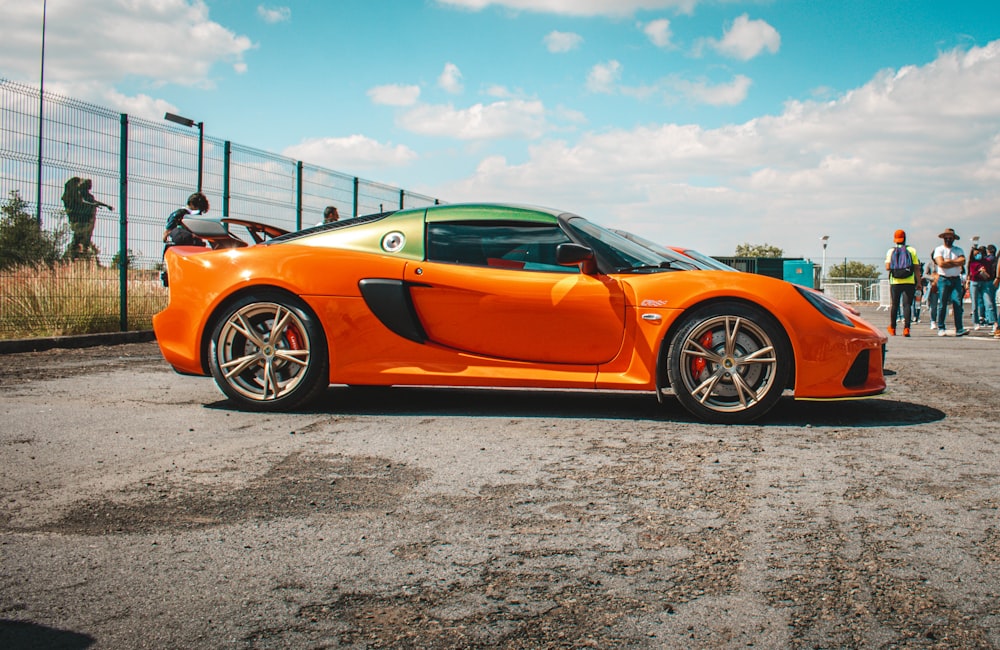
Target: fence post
[
  {"x": 402, "y": 195},
  {"x": 123, "y": 259},
  {"x": 355, "y": 196},
  {"x": 298, "y": 195},
  {"x": 227, "y": 156}
]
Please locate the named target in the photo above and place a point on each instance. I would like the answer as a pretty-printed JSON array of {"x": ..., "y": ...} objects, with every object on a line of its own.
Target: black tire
[
  {"x": 268, "y": 353},
  {"x": 729, "y": 362}
]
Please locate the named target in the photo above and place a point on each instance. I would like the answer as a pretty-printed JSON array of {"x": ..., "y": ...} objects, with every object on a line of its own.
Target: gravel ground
[{"x": 140, "y": 511}]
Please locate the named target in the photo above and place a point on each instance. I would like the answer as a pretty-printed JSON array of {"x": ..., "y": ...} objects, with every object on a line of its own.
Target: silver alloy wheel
[
  {"x": 728, "y": 363},
  {"x": 263, "y": 351}
]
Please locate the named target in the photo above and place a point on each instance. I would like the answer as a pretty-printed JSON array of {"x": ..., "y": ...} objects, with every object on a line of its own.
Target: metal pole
[
  {"x": 822, "y": 270},
  {"x": 227, "y": 157},
  {"x": 123, "y": 224},
  {"x": 355, "y": 196},
  {"x": 298, "y": 195},
  {"x": 201, "y": 150},
  {"x": 41, "y": 113}
]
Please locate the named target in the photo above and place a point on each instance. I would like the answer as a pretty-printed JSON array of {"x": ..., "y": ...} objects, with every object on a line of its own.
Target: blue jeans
[
  {"x": 950, "y": 291},
  {"x": 976, "y": 296},
  {"x": 989, "y": 296}
]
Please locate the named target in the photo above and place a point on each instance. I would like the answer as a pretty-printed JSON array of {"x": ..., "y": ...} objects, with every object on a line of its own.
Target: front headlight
[{"x": 826, "y": 306}]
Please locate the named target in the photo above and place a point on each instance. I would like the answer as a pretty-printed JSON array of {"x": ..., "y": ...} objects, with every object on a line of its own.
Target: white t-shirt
[{"x": 946, "y": 253}]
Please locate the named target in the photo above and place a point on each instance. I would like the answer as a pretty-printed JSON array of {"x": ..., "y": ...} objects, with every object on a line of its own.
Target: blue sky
[{"x": 706, "y": 123}]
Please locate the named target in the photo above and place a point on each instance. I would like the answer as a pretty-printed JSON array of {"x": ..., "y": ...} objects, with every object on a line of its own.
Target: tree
[
  {"x": 130, "y": 259},
  {"x": 22, "y": 240},
  {"x": 758, "y": 250},
  {"x": 853, "y": 270}
]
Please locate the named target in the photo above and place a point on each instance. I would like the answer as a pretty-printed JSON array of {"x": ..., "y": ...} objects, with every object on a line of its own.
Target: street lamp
[
  {"x": 184, "y": 121},
  {"x": 822, "y": 269}
]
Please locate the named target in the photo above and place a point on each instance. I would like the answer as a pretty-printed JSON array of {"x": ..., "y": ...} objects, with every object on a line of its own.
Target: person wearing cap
[
  {"x": 902, "y": 289},
  {"x": 950, "y": 260}
]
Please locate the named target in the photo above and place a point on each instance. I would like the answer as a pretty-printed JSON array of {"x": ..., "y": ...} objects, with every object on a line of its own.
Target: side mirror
[{"x": 575, "y": 254}]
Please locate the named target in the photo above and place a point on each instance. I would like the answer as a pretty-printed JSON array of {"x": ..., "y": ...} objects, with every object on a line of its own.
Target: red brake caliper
[
  {"x": 294, "y": 338},
  {"x": 699, "y": 364}
]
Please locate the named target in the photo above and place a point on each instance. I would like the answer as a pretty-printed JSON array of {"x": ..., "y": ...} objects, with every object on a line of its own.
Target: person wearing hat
[
  {"x": 904, "y": 277},
  {"x": 950, "y": 261}
]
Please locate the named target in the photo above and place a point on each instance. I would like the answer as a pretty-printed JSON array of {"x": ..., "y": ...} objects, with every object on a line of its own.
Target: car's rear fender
[{"x": 263, "y": 291}]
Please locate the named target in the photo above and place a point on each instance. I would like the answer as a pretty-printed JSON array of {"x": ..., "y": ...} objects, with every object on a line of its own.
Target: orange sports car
[{"x": 499, "y": 295}]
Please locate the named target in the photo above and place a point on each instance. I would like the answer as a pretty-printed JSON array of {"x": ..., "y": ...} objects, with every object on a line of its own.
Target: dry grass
[{"x": 75, "y": 298}]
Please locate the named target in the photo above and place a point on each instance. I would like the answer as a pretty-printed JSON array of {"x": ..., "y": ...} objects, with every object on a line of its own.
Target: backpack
[{"x": 901, "y": 263}]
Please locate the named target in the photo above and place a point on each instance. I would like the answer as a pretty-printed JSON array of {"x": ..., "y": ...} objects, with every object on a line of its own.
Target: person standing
[
  {"x": 980, "y": 279},
  {"x": 903, "y": 266},
  {"x": 990, "y": 290},
  {"x": 931, "y": 291},
  {"x": 81, "y": 212},
  {"x": 950, "y": 260}
]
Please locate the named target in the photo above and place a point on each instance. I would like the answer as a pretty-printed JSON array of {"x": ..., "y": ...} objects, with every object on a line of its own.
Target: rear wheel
[
  {"x": 268, "y": 353},
  {"x": 729, "y": 363}
]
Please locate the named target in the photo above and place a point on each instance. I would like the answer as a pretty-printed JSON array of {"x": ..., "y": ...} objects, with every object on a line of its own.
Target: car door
[{"x": 494, "y": 289}]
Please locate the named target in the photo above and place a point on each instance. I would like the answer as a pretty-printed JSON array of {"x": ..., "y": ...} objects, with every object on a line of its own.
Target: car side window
[{"x": 506, "y": 245}]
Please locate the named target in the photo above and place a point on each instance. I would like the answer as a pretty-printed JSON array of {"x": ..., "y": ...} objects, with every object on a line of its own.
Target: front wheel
[
  {"x": 268, "y": 353},
  {"x": 729, "y": 363}
]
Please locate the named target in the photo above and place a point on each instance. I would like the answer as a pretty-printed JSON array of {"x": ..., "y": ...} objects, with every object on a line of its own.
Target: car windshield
[
  {"x": 677, "y": 260},
  {"x": 709, "y": 261},
  {"x": 620, "y": 253}
]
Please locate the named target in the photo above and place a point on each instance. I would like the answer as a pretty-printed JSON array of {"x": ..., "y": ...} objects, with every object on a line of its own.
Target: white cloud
[
  {"x": 153, "y": 41},
  {"x": 140, "y": 105},
  {"x": 502, "y": 119},
  {"x": 355, "y": 152},
  {"x": 498, "y": 91},
  {"x": 604, "y": 77},
  {"x": 578, "y": 7},
  {"x": 658, "y": 32},
  {"x": 274, "y": 15},
  {"x": 747, "y": 38},
  {"x": 394, "y": 95},
  {"x": 558, "y": 42},
  {"x": 451, "y": 79},
  {"x": 898, "y": 151},
  {"x": 728, "y": 94}
]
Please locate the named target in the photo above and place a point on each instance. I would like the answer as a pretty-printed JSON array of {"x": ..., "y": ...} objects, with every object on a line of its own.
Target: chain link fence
[{"x": 101, "y": 274}]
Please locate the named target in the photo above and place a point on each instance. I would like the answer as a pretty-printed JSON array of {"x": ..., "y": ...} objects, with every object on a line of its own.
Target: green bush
[{"x": 23, "y": 242}]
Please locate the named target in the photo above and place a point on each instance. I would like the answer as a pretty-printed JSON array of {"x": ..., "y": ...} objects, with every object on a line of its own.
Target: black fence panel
[{"x": 70, "y": 269}]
